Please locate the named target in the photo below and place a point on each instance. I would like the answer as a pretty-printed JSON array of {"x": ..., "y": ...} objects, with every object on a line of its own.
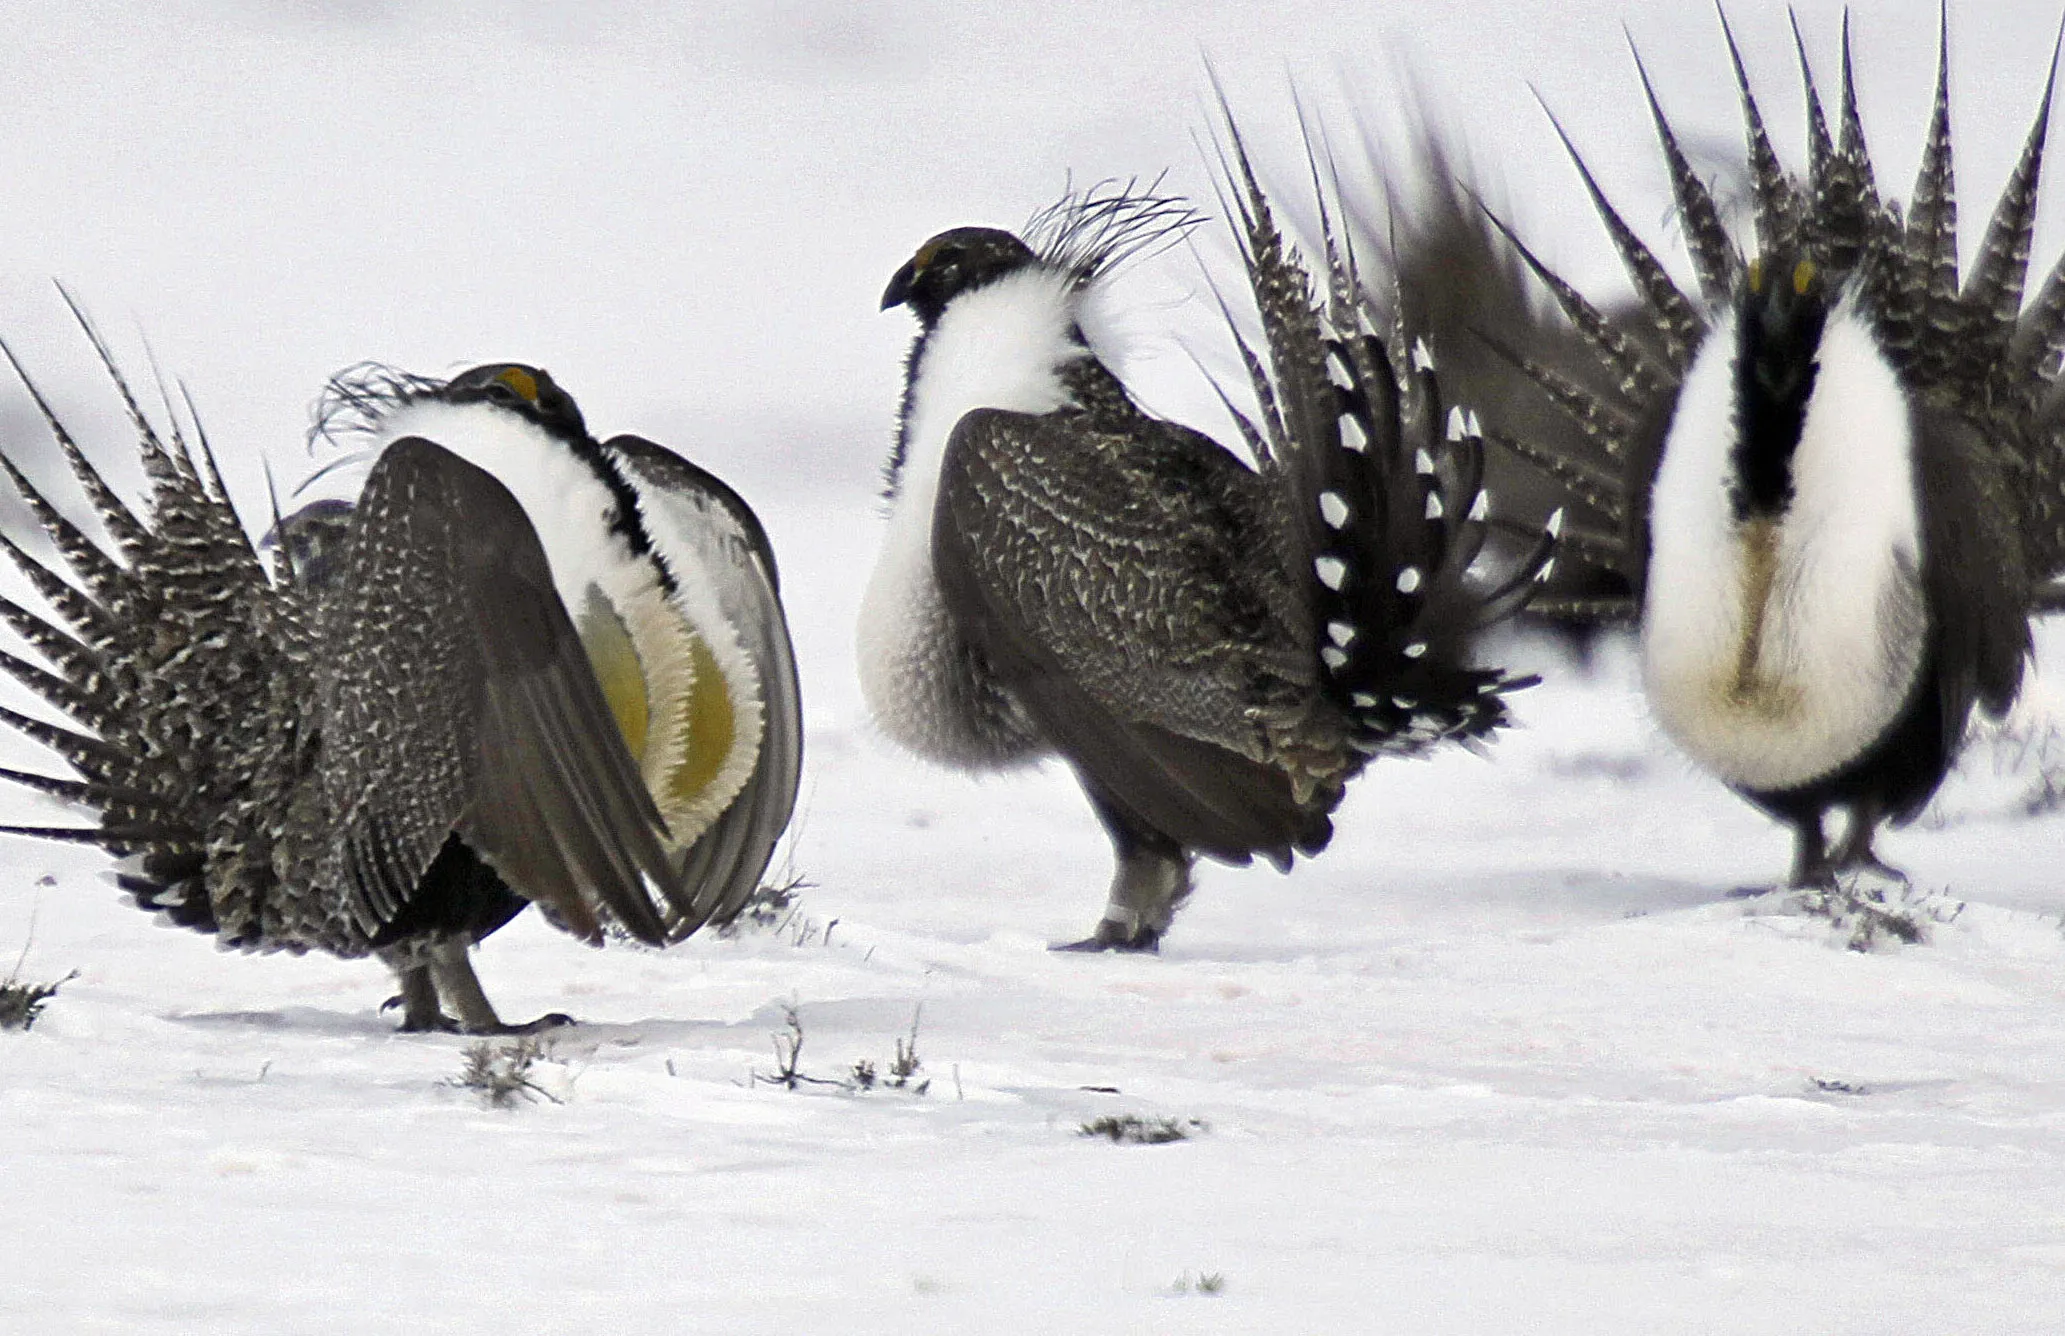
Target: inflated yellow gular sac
[
  {"x": 678, "y": 710},
  {"x": 617, "y": 670},
  {"x": 712, "y": 728}
]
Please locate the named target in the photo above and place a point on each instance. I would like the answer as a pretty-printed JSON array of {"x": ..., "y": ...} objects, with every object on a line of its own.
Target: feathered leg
[
  {"x": 451, "y": 966},
  {"x": 418, "y": 1001},
  {"x": 1855, "y": 853},
  {"x": 1151, "y": 882},
  {"x": 1810, "y": 851}
]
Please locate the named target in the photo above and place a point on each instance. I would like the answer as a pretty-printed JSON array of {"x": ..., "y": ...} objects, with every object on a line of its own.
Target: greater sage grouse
[
  {"x": 520, "y": 666},
  {"x": 1215, "y": 648},
  {"x": 1832, "y": 479}
]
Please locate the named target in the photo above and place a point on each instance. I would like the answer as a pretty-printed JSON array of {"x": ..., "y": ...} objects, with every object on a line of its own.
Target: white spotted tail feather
[{"x": 1384, "y": 497}]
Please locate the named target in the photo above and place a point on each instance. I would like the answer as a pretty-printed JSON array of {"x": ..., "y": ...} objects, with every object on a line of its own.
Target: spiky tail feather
[
  {"x": 1977, "y": 348},
  {"x": 1384, "y": 491},
  {"x": 155, "y": 647},
  {"x": 1397, "y": 526}
]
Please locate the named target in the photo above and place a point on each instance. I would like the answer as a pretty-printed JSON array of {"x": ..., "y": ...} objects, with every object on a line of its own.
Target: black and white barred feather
[
  {"x": 168, "y": 653},
  {"x": 1385, "y": 491}
]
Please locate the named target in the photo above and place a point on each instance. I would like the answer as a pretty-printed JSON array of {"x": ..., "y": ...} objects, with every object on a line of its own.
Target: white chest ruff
[
  {"x": 1001, "y": 346},
  {"x": 716, "y": 589},
  {"x": 1779, "y": 651},
  {"x": 687, "y": 657}
]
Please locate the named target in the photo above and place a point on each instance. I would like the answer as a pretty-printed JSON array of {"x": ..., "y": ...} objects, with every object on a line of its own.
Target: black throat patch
[{"x": 1777, "y": 349}]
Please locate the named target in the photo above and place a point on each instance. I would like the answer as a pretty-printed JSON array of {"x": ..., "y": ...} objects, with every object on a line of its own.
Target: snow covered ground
[{"x": 1511, "y": 1057}]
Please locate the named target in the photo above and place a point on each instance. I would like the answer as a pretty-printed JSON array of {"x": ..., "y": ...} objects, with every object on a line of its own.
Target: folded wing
[{"x": 455, "y": 696}]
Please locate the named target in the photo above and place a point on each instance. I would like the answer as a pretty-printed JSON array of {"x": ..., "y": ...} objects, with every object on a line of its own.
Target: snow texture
[{"x": 1511, "y": 1057}]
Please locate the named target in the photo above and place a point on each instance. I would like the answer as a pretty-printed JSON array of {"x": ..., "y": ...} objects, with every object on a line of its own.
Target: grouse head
[
  {"x": 526, "y": 390},
  {"x": 952, "y": 263}
]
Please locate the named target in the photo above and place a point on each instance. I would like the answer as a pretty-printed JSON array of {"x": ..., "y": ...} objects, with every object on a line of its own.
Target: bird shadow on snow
[
  {"x": 383, "y": 1025},
  {"x": 1343, "y": 918},
  {"x": 303, "y": 1020},
  {"x": 647, "y": 1030},
  {"x": 885, "y": 1015}
]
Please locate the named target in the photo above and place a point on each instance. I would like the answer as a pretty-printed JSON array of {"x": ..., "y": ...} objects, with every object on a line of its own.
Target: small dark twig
[
  {"x": 1874, "y": 917},
  {"x": 501, "y": 1073},
  {"x": 21, "y": 1003},
  {"x": 907, "y": 1063},
  {"x": 788, "y": 1054}
]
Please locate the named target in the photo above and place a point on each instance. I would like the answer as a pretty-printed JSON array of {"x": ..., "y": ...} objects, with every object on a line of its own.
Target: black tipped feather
[
  {"x": 1678, "y": 325},
  {"x": 1637, "y": 373},
  {"x": 1216, "y": 645},
  {"x": 1387, "y": 497},
  {"x": 1821, "y": 149},
  {"x": 1998, "y": 275},
  {"x": 1977, "y": 348},
  {"x": 1973, "y": 369}
]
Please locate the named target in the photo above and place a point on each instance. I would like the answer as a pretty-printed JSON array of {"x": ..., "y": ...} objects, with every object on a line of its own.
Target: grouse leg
[
  {"x": 1855, "y": 853},
  {"x": 451, "y": 966},
  {"x": 1151, "y": 881},
  {"x": 1810, "y": 852},
  {"x": 418, "y": 1001}
]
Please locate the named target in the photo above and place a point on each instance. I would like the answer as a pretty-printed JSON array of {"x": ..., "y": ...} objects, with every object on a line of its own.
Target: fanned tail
[
  {"x": 1384, "y": 493},
  {"x": 158, "y": 648},
  {"x": 1400, "y": 597},
  {"x": 1602, "y": 383}
]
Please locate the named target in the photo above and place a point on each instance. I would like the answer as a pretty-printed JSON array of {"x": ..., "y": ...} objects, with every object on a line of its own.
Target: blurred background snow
[{"x": 687, "y": 212}]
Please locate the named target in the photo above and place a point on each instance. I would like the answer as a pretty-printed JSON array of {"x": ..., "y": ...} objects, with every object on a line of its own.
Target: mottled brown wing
[
  {"x": 456, "y": 696},
  {"x": 1976, "y": 569},
  {"x": 1122, "y": 588}
]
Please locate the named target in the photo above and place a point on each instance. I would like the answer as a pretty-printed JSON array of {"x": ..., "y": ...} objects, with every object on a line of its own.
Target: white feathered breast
[
  {"x": 1776, "y": 652},
  {"x": 1001, "y": 346}
]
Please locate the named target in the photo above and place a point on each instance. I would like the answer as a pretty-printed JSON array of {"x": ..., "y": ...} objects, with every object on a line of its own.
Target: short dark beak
[{"x": 899, "y": 290}]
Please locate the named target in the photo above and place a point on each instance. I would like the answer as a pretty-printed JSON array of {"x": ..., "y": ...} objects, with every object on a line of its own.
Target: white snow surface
[{"x": 1509, "y": 1057}]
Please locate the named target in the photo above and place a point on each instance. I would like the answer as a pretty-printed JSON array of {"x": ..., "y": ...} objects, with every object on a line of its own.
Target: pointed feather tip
[
  {"x": 1942, "y": 53},
  {"x": 1742, "y": 76},
  {"x": 2050, "y": 82},
  {"x": 1641, "y": 71}
]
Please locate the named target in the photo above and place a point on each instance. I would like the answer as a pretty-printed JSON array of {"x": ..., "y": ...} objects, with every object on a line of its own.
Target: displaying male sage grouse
[
  {"x": 521, "y": 666},
  {"x": 1833, "y": 479},
  {"x": 1217, "y": 649}
]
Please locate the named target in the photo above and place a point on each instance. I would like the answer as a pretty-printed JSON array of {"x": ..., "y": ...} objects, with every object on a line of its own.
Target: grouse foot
[{"x": 1115, "y": 937}]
